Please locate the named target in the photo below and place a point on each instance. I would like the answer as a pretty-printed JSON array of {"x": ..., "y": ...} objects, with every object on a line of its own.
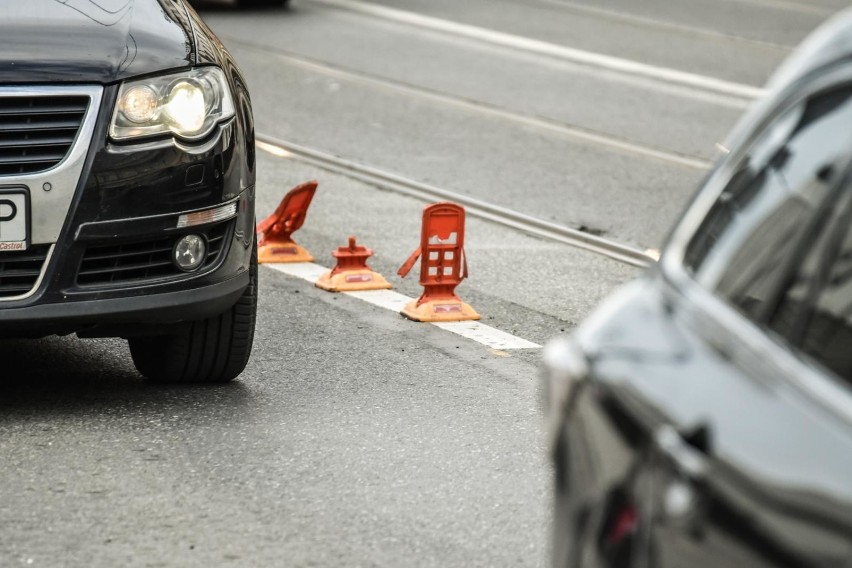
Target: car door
[
  {"x": 754, "y": 470},
  {"x": 753, "y": 464}
]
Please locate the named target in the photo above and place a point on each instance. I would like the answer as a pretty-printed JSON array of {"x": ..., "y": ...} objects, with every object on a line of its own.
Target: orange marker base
[
  {"x": 288, "y": 251},
  {"x": 351, "y": 281},
  {"x": 439, "y": 310},
  {"x": 351, "y": 272}
]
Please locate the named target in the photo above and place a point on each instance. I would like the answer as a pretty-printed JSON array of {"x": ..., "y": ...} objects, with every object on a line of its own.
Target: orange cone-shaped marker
[
  {"x": 274, "y": 241},
  {"x": 442, "y": 268},
  {"x": 351, "y": 272}
]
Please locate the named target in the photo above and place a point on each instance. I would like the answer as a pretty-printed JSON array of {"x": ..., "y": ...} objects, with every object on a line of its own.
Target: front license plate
[{"x": 13, "y": 221}]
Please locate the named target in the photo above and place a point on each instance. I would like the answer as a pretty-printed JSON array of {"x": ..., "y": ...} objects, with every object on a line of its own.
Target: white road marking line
[
  {"x": 387, "y": 299},
  {"x": 276, "y": 151},
  {"x": 559, "y": 65},
  {"x": 304, "y": 270},
  {"x": 599, "y": 60},
  {"x": 487, "y": 335},
  {"x": 394, "y": 301},
  {"x": 669, "y": 26}
]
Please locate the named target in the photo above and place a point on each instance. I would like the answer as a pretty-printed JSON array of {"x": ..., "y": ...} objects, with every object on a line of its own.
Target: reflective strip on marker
[{"x": 284, "y": 250}]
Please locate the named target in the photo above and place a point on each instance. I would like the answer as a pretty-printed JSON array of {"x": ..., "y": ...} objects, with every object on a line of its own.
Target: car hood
[{"x": 82, "y": 41}]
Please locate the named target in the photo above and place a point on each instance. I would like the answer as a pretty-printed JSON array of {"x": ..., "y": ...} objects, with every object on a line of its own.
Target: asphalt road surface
[{"x": 356, "y": 437}]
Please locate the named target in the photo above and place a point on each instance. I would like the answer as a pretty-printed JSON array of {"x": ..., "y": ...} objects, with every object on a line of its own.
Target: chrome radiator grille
[{"x": 36, "y": 132}]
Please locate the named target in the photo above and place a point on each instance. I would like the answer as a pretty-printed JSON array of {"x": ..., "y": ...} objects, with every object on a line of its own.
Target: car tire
[{"x": 212, "y": 350}]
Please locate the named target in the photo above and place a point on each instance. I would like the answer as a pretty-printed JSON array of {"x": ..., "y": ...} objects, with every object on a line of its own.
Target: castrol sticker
[{"x": 13, "y": 221}]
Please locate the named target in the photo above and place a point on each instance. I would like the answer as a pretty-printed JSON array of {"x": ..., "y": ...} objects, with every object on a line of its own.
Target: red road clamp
[
  {"x": 274, "y": 241},
  {"x": 351, "y": 271},
  {"x": 442, "y": 268}
]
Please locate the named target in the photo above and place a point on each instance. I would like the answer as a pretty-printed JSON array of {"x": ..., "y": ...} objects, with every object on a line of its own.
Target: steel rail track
[
  {"x": 579, "y": 134},
  {"x": 500, "y": 215}
]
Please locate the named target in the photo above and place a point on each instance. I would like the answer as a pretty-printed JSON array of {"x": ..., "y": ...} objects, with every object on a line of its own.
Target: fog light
[{"x": 189, "y": 252}]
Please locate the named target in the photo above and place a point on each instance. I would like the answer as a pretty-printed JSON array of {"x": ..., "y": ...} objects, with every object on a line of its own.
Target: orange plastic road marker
[
  {"x": 351, "y": 271},
  {"x": 274, "y": 242},
  {"x": 443, "y": 266}
]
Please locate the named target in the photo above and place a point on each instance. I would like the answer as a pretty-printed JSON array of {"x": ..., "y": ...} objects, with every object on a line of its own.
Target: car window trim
[{"x": 683, "y": 233}]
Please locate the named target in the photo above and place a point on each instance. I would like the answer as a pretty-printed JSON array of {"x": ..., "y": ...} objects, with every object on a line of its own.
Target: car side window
[
  {"x": 773, "y": 207},
  {"x": 816, "y": 312}
]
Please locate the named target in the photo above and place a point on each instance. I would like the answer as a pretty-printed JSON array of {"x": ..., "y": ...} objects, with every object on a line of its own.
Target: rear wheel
[{"x": 212, "y": 350}]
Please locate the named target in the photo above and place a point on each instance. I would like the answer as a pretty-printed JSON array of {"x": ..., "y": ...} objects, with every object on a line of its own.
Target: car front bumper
[{"x": 105, "y": 219}]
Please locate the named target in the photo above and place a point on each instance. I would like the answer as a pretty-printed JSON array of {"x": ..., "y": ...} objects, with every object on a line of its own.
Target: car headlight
[{"x": 188, "y": 104}]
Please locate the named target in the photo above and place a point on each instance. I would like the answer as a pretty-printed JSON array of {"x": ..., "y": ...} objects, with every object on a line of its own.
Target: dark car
[
  {"x": 127, "y": 175},
  {"x": 702, "y": 417}
]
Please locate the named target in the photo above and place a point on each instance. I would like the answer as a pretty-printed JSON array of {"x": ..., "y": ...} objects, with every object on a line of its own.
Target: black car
[
  {"x": 702, "y": 417},
  {"x": 127, "y": 176}
]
